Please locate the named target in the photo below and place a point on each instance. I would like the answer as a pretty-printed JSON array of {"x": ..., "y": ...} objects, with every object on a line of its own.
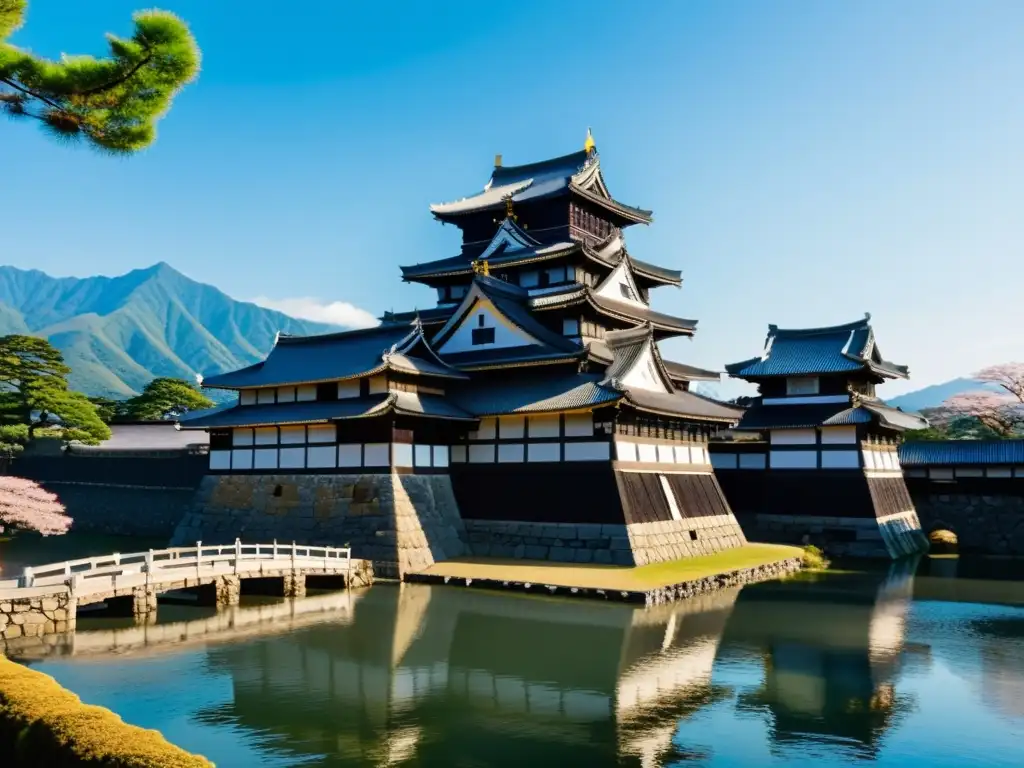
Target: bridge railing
[{"x": 182, "y": 561}]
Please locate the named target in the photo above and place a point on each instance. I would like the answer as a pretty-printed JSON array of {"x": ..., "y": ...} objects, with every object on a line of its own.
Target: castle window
[
  {"x": 480, "y": 320},
  {"x": 627, "y": 292},
  {"x": 802, "y": 385}
]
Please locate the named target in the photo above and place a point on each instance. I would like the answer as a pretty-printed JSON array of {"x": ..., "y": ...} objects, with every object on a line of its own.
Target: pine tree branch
[
  {"x": 18, "y": 87},
  {"x": 117, "y": 81}
]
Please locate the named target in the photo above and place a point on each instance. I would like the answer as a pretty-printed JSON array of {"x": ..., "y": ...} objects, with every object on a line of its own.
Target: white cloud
[{"x": 334, "y": 312}]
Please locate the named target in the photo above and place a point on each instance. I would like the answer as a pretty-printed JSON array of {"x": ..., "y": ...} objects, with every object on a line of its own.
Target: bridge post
[
  {"x": 27, "y": 578},
  {"x": 228, "y": 589},
  {"x": 144, "y": 600},
  {"x": 294, "y": 584}
]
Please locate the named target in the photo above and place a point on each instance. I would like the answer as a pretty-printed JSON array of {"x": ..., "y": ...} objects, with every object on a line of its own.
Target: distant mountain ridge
[
  {"x": 118, "y": 333},
  {"x": 936, "y": 394}
]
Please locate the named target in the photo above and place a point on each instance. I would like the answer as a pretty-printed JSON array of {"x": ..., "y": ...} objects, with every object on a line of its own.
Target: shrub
[
  {"x": 814, "y": 559},
  {"x": 43, "y": 724}
]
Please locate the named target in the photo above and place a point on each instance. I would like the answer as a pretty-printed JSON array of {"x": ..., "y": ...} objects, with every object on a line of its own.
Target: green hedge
[{"x": 42, "y": 724}]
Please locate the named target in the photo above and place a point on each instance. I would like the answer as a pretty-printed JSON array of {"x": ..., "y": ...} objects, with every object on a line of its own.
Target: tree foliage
[
  {"x": 165, "y": 398},
  {"x": 34, "y": 392},
  {"x": 113, "y": 103},
  {"x": 1000, "y": 410},
  {"x": 24, "y": 505}
]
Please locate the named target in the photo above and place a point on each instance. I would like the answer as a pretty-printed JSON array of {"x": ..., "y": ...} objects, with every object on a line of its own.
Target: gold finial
[
  {"x": 589, "y": 145},
  {"x": 497, "y": 161},
  {"x": 508, "y": 209},
  {"x": 482, "y": 268}
]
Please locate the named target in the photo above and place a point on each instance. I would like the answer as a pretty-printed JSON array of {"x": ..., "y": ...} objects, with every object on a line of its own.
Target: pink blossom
[{"x": 24, "y": 505}]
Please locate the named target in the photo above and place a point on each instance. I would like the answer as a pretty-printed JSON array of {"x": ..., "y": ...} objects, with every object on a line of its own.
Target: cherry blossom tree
[
  {"x": 1000, "y": 409},
  {"x": 25, "y": 506}
]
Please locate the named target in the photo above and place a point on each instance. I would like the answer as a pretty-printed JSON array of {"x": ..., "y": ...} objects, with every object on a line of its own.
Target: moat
[{"x": 914, "y": 664}]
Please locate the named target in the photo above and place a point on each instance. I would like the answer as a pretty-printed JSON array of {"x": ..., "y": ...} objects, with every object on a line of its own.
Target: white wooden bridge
[{"x": 45, "y": 598}]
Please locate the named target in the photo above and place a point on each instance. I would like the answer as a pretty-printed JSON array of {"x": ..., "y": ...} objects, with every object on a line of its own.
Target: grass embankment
[
  {"x": 45, "y": 725},
  {"x": 641, "y": 578}
]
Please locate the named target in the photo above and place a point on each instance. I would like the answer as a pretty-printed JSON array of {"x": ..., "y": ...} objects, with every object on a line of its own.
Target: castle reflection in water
[{"x": 456, "y": 676}]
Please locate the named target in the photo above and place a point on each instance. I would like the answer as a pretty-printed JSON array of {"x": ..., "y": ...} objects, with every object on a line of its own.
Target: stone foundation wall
[
  {"x": 867, "y": 537},
  {"x": 636, "y": 544},
  {"x": 690, "y": 537},
  {"x": 402, "y": 523},
  {"x": 36, "y": 616},
  {"x": 561, "y": 542},
  {"x": 983, "y": 524}
]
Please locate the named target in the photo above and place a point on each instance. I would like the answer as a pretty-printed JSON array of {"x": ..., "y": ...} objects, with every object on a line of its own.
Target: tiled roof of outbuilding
[
  {"x": 961, "y": 452},
  {"x": 813, "y": 351}
]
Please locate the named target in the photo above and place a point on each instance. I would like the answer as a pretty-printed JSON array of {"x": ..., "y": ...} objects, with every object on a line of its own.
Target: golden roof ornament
[
  {"x": 589, "y": 145},
  {"x": 508, "y": 209},
  {"x": 481, "y": 267}
]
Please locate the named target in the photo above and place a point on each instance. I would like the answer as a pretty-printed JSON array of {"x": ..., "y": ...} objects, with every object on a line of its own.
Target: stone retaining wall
[
  {"x": 983, "y": 524},
  {"x": 840, "y": 536},
  {"x": 687, "y": 589},
  {"x": 36, "y": 616},
  {"x": 636, "y": 544},
  {"x": 402, "y": 523}
]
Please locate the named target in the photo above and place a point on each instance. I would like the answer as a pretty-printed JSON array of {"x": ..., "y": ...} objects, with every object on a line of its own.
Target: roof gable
[
  {"x": 509, "y": 238},
  {"x": 620, "y": 285},
  {"x": 636, "y": 361},
  {"x": 816, "y": 351},
  {"x": 493, "y": 304}
]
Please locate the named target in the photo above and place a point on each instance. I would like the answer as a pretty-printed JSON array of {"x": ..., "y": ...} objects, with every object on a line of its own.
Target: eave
[{"x": 628, "y": 212}]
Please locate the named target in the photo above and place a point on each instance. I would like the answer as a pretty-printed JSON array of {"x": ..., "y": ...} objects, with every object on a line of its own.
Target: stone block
[
  {"x": 535, "y": 552},
  {"x": 584, "y": 555},
  {"x": 562, "y": 554},
  {"x": 603, "y": 556},
  {"x": 588, "y": 531}
]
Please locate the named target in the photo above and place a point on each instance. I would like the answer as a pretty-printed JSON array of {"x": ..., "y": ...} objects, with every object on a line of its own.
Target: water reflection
[
  {"x": 822, "y": 670},
  {"x": 831, "y": 655},
  {"x": 462, "y": 678}
]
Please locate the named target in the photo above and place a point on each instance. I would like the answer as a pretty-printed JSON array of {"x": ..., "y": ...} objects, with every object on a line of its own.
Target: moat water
[{"x": 921, "y": 664}]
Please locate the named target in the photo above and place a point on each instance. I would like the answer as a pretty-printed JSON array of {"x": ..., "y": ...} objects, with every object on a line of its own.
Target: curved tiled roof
[
  {"x": 761, "y": 417},
  {"x": 578, "y": 172},
  {"x": 811, "y": 351},
  {"x": 960, "y": 452}
]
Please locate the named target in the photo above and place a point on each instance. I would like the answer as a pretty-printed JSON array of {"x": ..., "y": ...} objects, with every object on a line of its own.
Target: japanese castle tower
[
  {"x": 826, "y": 463},
  {"x": 528, "y": 414}
]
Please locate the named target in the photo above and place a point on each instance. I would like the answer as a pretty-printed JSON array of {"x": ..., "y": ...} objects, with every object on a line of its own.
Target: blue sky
[{"x": 806, "y": 162}]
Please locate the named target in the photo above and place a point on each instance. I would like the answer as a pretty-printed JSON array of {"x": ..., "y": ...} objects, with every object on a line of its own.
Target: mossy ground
[
  {"x": 43, "y": 724},
  {"x": 641, "y": 578}
]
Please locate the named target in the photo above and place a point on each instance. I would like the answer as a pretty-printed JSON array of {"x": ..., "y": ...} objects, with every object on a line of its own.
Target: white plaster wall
[
  {"x": 241, "y": 437},
  {"x": 794, "y": 459},
  {"x": 544, "y": 452},
  {"x": 511, "y": 427},
  {"x": 510, "y": 453},
  {"x": 422, "y": 456},
  {"x": 266, "y": 436},
  {"x": 286, "y": 394},
  {"x": 840, "y": 460},
  {"x": 247, "y": 397},
  {"x": 377, "y": 455},
  {"x": 752, "y": 461},
  {"x": 611, "y": 287},
  {"x": 265, "y": 396},
  {"x": 481, "y": 454},
  {"x": 587, "y": 451},
  {"x": 440, "y": 455},
  {"x": 458, "y": 454},
  {"x": 724, "y": 460},
  {"x": 793, "y": 437},
  {"x": 293, "y": 435},
  {"x": 543, "y": 426},
  {"x": 322, "y": 456},
  {"x": 839, "y": 435},
  {"x": 348, "y": 389},
  {"x": 306, "y": 393},
  {"x": 220, "y": 460},
  {"x": 241, "y": 459},
  {"x": 625, "y": 450},
  {"x": 322, "y": 433},
  {"x": 350, "y": 455},
  {"x": 292, "y": 458},
  {"x": 579, "y": 424},
  {"x": 265, "y": 458}
]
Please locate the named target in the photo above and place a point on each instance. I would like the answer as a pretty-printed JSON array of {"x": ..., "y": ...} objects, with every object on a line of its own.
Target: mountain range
[{"x": 118, "y": 333}]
